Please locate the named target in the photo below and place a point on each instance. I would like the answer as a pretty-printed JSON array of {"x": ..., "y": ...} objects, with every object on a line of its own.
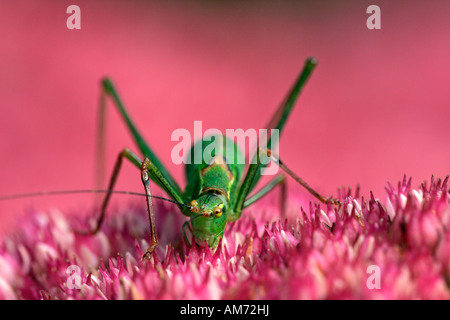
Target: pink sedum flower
[{"x": 363, "y": 249}]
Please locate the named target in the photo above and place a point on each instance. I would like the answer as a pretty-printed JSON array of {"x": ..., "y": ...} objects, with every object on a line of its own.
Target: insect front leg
[
  {"x": 275, "y": 158},
  {"x": 149, "y": 169},
  {"x": 279, "y": 180},
  {"x": 151, "y": 216},
  {"x": 187, "y": 224},
  {"x": 244, "y": 202},
  {"x": 126, "y": 153},
  {"x": 144, "y": 166}
]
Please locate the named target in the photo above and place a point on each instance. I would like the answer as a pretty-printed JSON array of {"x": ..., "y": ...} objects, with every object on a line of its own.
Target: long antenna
[{"x": 61, "y": 192}]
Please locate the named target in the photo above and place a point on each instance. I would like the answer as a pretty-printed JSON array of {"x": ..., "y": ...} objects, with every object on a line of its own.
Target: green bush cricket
[{"x": 216, "y": 192}]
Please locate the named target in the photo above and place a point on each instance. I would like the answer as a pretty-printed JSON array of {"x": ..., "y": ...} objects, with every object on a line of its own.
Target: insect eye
[
  {"x": 194, "y": 206},
  {"x": 217, "y": 212}
]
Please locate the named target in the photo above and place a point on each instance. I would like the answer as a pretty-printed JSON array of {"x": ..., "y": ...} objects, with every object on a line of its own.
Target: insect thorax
[{"x": 219, "y": 171}]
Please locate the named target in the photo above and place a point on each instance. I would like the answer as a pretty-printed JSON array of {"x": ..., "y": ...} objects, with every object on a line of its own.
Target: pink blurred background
[{"x": 377, "y": 106}]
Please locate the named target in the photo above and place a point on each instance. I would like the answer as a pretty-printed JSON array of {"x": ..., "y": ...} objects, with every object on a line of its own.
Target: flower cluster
[{"x": 362, "y": 249}]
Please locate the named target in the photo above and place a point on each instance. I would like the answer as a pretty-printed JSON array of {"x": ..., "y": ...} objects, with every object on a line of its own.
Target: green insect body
[
  {"x": 218, "y": 189},
  {"x": 212, "y": 188}
]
